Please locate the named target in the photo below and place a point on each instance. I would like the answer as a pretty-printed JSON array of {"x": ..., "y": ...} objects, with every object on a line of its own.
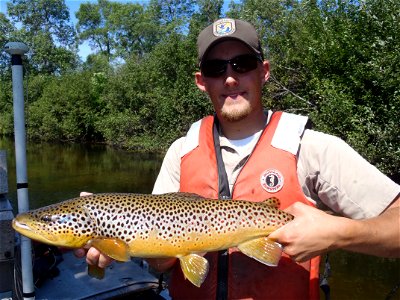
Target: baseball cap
[{"x": 228, "y": 29}]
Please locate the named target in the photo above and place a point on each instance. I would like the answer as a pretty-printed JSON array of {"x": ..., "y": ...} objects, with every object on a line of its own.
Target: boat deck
[{"x": 121, "y": 280}]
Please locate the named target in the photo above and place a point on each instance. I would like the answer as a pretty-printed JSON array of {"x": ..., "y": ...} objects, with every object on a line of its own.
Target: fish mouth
[
  {"x": 18, "y": 225},
  {"x": 31, "y": 232}
]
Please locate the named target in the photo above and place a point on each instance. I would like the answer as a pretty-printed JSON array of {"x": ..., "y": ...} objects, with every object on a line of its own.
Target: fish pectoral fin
[
  {"x": 114, "y": 248},
  {"x": 263, "y": 250},
  {"x": 96, "y": 272},
  {"x": 195, "y": 268}
]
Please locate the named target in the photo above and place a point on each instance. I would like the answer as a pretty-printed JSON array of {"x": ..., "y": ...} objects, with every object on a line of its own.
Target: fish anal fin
[
  {"x": 114, "y": 248},
  {"x": 273, "y": 201},
  {"x": 96, "y": 272},
  {"x": 263, "y": 250},
  {"x": 195, "y": 268}
]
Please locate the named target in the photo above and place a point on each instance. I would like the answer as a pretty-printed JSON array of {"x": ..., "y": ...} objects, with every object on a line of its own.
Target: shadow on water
[{"x": 58, "y": 172}]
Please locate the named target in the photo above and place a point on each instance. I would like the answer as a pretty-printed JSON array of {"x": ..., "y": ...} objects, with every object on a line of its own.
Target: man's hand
[
  {"x": 94, "y": 257},
  {"x": 311, "y": 233},
  {"x": 314, "y": 232},
  {"x": 84, "y": 194}
]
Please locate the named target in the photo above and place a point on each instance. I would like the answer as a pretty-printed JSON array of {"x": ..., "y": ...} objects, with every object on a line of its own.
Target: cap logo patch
[
  {"x": 224, "y": 27},
  {"x": 271, "y": 180}
]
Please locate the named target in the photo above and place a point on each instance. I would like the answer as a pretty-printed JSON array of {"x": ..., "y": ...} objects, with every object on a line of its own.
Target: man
[{"x": 244, "y": 152}]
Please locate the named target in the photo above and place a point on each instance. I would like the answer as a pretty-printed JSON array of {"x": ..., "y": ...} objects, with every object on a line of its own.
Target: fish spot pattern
[{"x": 175, "y": 219}]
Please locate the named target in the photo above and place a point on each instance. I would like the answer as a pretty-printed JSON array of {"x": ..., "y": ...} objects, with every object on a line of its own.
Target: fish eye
[{"x": 46, "y": 218}]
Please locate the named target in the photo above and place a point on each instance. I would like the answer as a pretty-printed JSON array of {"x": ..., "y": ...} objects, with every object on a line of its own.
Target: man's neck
[{"x": 244, "y": 128}]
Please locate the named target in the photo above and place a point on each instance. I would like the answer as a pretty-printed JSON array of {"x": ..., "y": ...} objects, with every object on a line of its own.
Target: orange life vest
[{"x": 268, "y": 172}]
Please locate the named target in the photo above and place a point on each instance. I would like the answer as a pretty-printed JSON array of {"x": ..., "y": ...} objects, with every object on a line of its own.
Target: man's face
[{"x": 234, "y": 95}]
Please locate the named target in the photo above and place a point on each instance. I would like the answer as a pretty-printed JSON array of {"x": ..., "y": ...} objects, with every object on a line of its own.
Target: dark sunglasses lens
[
  {"x": 240, "y": 64},
  {"x": 244, "y": 63},
  {"x": 214, "y": 67}
]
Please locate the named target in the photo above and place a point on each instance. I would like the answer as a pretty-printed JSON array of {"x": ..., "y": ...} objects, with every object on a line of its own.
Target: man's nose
[{"x": 231, "y": 77}]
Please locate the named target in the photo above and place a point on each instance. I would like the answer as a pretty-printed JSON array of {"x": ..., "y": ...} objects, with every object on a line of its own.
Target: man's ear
[
  {"x": 265, "y": 75},
  {"x": 200, "y": 81}
]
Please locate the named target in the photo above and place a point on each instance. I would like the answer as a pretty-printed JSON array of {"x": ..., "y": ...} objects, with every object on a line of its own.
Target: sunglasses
[{"x": 240, "y": 64}]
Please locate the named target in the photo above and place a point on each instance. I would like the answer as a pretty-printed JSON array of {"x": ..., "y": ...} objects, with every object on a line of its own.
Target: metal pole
[{"x": 16, "y": 50}]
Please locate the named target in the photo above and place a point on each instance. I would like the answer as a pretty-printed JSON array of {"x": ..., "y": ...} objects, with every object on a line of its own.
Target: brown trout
[{"x": 177, "y": 225}]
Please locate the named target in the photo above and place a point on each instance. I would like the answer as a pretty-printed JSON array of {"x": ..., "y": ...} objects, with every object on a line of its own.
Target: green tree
[
  {"x": 6, "y": 103},
  {"x": 94, "y": 27},
  {"x": 118, "y": 30},
  {"x": 6, "y": 31},
  {"x": 173, "y": 15},
  {"x": 46, "y": 29},
  {"x": 208, "y": 12},
  {"x": 66, "y": 108}
]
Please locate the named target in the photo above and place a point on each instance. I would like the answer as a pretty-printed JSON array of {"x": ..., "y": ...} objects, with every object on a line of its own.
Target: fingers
[
  {"x": 80, "y": 252},
  {"x": 95, "y": 257},
  {"x": 104, "y": 261},
  {"x": 83, "y": 194},
  {"x": 284, "y": 234}
]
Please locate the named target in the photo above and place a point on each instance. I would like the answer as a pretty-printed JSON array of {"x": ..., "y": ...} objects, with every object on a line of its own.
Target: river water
[{"x": 58, "y": 172}]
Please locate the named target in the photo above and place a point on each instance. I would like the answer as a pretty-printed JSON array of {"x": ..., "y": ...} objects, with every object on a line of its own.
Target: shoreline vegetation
[{"x": 336, "y": 61}]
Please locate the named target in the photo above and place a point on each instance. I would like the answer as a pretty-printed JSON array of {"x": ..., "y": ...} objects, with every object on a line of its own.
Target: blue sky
[{"x": 73, "y": 5}]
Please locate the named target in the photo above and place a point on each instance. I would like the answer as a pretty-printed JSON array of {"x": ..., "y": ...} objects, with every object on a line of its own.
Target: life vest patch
[{"x": 272, "y": 180}]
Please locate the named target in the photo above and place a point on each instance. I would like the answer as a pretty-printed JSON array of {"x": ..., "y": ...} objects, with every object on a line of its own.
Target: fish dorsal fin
[
  {"x": 191, "y": 196},
  {"x": 114, "y": 248},
  {"x": 273, "y": 201},
  {"x": 263, "y": 250},
  {"x": 195, "y": 268}
]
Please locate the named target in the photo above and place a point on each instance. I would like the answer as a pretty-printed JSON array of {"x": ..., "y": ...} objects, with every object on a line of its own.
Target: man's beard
[{"x": 235, "y": 114}]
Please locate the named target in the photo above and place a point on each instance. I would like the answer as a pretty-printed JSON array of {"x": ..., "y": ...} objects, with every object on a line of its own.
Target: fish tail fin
[
  {"x": 195, "y": 268},
  {"x": 263, "y": 250},
  {"x": 96, "y": 272}
]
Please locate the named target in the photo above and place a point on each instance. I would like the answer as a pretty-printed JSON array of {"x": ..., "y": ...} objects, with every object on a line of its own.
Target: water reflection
[
  {"x": 357, "y": 276},
  {"x": 60, "y": 171}
]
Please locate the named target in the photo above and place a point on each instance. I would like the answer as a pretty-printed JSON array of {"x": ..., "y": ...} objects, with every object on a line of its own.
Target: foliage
[
  {"x": 66, "y": 109},
  {"x": 334, "y": 60},
  {"x": 46, "y": 29},
  {"x": 6, "y": 29}
]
